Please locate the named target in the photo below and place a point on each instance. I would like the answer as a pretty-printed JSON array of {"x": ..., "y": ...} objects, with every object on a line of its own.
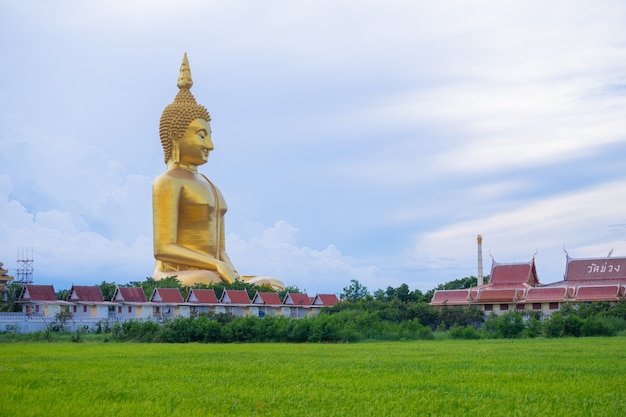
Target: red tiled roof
[
  {"x": 596, "y": 269},
  {"x": 197, "y": 295},
  {"x": 450, "y": 297},
  {"x": 328, "y": 300},
  {"x": 235, "y": 297},
  {"x": 546, "y": 294},
  {"x": 519, "y": 273},
  {"x": 595, "y": 293},
  {"x": 85, "y": 293},
  {"x": 268, "y": 298},
  {"x": 32, "y": 292},
  {"x": 129, "y": 294},
  {"x": 498, "y": 295},
  {"x": 297, "y": 299},
  {"x": 167, "y": 295}
]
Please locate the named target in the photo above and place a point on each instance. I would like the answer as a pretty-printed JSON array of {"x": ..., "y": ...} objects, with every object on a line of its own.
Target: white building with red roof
[
  {"x": 296, "y": 305},
  {"x": 87, "y": 302},
  {"x": 131, "y": 303},
  {"x": 40, "y": 301},
  {"x": 168, "y": 303},
  {"x": 201, "y": 301},
  {"x": 325, "y": 300},
  {"x": 234, "y": 302},
  {"x": 265, "y": 304}
]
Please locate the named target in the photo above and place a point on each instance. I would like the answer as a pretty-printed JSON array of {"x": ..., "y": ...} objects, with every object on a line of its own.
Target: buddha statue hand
[{"x": 226, "y": 272}]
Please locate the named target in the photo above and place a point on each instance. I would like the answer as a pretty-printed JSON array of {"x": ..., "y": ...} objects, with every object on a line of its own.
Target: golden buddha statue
[{"x": 188, "y": 209}]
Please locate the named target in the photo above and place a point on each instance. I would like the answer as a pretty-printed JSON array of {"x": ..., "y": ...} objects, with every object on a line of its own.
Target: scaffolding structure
[{"x": 25, "y": 269}]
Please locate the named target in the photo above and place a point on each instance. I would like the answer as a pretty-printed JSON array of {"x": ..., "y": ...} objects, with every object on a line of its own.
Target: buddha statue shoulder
[{"x": 188, "y": 209}]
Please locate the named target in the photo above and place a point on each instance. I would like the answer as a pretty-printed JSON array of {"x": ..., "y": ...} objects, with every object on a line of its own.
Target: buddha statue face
[
  {"x": 195, "y": 143},
  {"x": 175, "y": 127}
]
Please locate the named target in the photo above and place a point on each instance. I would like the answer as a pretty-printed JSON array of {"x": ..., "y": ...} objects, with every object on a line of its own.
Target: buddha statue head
[{"x": 178, "y": 115}]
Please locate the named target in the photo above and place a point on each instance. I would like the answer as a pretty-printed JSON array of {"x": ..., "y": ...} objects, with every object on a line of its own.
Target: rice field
[{"x": 527, "y": 377}]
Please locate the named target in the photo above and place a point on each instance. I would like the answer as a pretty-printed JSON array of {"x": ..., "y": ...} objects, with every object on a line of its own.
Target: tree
[
  {"x": 462, "y": 283},
  {"x": 62, "y": 294},
  {"x": 291, "y": 289},
  {"x": 354, "y": 292},
  {"x": 108, "y": 290},
  {"x": 403, "y": 294},
  {"x": 12, "y": 293}
]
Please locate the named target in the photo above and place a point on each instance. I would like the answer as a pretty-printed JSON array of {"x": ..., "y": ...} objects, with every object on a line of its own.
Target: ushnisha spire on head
[
  {"x": 184, "y": 78},
  {"x": 182, "y": 111}
]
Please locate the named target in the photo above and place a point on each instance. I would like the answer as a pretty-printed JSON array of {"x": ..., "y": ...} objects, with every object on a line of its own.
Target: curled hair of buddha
[{"x": 182, "y": 111}]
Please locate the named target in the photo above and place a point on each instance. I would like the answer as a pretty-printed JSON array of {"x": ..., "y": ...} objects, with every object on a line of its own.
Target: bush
[
  {"x": 533, "y": 328},
  {"x": 466, "y": 332},
  {"x": 554, "y": 326},
  {"x": 596, "y": 326},
  {"x": 572, "y": 326},
  {"x": 509, "y": 325}
]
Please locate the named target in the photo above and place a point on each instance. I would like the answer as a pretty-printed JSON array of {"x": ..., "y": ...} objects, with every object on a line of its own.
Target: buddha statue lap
[{"x": 188, "y": 209}]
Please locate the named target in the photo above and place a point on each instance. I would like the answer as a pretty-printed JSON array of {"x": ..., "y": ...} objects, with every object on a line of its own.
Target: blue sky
[{"x": 363, "y": 140}]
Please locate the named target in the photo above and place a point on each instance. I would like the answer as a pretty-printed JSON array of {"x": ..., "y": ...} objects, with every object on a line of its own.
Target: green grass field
[{"x": 555, "y": 377}]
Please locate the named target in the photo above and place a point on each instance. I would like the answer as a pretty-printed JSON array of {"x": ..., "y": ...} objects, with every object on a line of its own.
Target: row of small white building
[{"x": 87, "y": 305}]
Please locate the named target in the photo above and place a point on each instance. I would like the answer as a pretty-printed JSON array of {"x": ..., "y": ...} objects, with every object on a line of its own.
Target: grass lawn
[{"x": 528, "y": 377}]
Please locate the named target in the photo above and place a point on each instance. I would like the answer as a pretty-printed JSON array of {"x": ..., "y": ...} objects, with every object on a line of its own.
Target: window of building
[
  {"x": 488, "y": 307},
  {"x": 536, "y": 306},
  {"x": 520, "y": 306},
  {"x": 84, "y": 309},
  {"x": 119, "y": 309},
  {"x": 554, "y": 306},
  {"x": 130, "y": 309},
  {"x": 504, "y": 307},
  {"x": 74, "y": 308}
]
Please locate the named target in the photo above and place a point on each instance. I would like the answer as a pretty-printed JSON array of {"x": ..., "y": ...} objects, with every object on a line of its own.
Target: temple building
[{"x": 516, "y": 286}]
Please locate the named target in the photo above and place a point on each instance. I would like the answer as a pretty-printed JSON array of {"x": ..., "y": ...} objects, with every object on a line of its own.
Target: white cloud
[
  {"x": 276, "y": 253},
  {"x": 389, "y": 120},
  {"x": 581, "y": 222}
]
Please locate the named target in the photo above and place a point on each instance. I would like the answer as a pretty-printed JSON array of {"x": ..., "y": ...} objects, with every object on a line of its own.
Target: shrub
[
  {"x": 465, "y": 332},
  {"x": 554, "y": 326},
  {"x": 572, "y": 325},
  {"x": 533, "y": 328},
  {"x": 596, "y": 326}
]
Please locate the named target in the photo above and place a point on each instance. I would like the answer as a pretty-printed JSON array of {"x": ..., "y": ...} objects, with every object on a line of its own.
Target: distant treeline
[
  {"x": 378, "y": 320},
  {"x": 391, "y": 314}
]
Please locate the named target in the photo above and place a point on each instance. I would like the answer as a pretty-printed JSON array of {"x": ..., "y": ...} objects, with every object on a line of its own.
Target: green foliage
[
  {"x": 289, "y": 289},
  {"x": 600, "y": 326},
  {"x": 354, "y": 292},
  {"x": 62, "y": 320},
  {"x": 462, "y": 283},
  {"x": 467, "y": 332},
  {"x": 555, "y": 325},
  {"x": 12, "y": 294},
  {"x": 461, "y": 316},
  {"x": 108, "y": 290},
  {"x": 617, "y": 310},
  {"x": 533, "y": 327},
  {"x": 62, "y": 294},
  {"x": 402, "y": 293},
  {"x": 509, "y": 325}
]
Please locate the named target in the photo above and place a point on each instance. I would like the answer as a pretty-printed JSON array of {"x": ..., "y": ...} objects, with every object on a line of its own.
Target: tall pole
[{"x": 480, "y": 260}]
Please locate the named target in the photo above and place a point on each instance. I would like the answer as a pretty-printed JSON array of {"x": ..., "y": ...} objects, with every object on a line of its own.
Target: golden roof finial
[{"x": 184, "y": 78}]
